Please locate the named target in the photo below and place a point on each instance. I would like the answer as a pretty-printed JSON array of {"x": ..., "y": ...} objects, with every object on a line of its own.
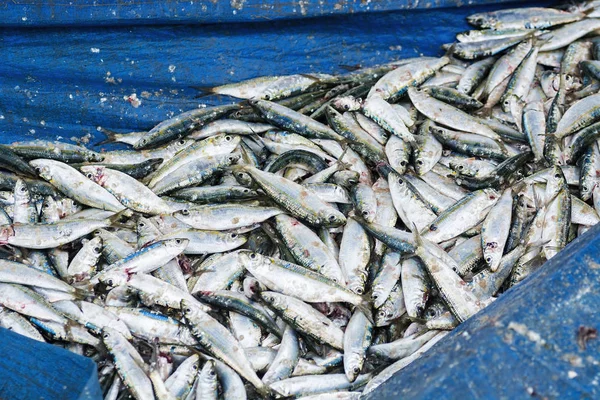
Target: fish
[{"x": 317, "y": 232}]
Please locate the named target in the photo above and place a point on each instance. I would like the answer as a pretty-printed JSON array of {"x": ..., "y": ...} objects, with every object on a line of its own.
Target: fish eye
[
  {"x": 557, "y": 176},
  {"x": 461, "y": 167},
  {"x": 267, "y": 97},
  {"x": 46, "y": 205},
  {"x": 211, "y": 372},
  {"x": 252, "y": 256},
  {"x": 109, "y": 282},
  {"x": 89, "y": 175},
  {"x": 359, "y": 290},
  {"x": 346, "y": 107},
  {"x": 177, "y": 241},
  {"x": 488, "y": 260},
  {"x": 106, "y": 335},
  {"x": 356, "y": 370},
  {"x": 96, "y": 249},
  {"x": 182, "y": 142},
  {"x": 431, "y": 313},
  {"x": 195, "y": 367},
  {"x": 246, "y": 190},
  {"x": 141, "y": 224},
  {"x": 97, "y": 232},
  {"x": 187, "y": 310},
  {"x": 432, "y": 227},
  {"x": 331, "y": 218},
  {"x": 389, "y": 314},
  {"x": 23, "y": 189},
  {"x": 228, "y": 138},
  {"x": 234, "y": 235},
  {"x": 185, "y": 211},
  {"x": 403, "y": 163},
  {"x": 420, "y": 162},
  {"x": 231, "y": 158},
  {"x": 38, "y": 170},
  {"x": 400, "y": 181}
]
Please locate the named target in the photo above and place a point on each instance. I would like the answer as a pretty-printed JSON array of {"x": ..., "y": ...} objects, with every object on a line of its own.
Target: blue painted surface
[
  {"x": 34, "y": 370},
  {"x": 62, "y": 83},
  {"x": 524, "y": 345},
  {"x": 154, "y": 12}
]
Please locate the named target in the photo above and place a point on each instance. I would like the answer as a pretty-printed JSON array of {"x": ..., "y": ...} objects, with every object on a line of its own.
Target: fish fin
[
  {"x": 537, "y": 244},
  {"x": 309, "y": 76},
  {"x": 350, "y": 67},
  {"x": 82, "y": 294},
  {"x": 114, "y": 219},
  {"x": 269, "y": 393},
  {"x": 417, "y": 235}
]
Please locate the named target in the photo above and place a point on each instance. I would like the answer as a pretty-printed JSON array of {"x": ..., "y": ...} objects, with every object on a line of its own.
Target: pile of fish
[{"x": 321, "y": 233}]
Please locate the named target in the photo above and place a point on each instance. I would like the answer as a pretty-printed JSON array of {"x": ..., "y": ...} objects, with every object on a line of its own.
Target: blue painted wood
[
  {"x": 58, "y": 83},
  {"x": 31, "y": 370},
  {"x": 154, "y": 12},
  {"x": 524, "y": 345}
]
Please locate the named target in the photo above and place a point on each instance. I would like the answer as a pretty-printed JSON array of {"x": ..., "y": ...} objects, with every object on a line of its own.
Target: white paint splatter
[
  {"x": 529, "y": 334},
  {"x": 172, "y": 68},
  {"x": 133, "y": 100},
  {"x": 571, "y": 374},
  {"x": 95, "y": 50}
]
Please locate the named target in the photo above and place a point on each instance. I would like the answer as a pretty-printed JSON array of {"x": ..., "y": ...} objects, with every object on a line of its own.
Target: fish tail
[
  {"x": 365, "y": 307},
  {"x": 115, "y": 220},
  {"x": 204, "y": 91},
  {"x": 111, "y": 136}
]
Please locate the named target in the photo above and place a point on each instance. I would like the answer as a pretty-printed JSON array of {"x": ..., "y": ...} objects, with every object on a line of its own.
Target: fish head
[
  {"x": 352, "y": 365},
  {"x": 177, "y": 245},
  {"x": 271, "y": 298},
  {"x": 347, "y": 103},
  {"x": 21, "y": 192},
  {"x": 242, "y": 177},
  {"x": 384, "y": 315},
  {"x": 95, "y": 173},
  {"x": 492, "y": 194},
  {"x": 208, "y": 375},
  {"x": 235, "y": 238},
  {"x": 180, "y": 144},
  {"x": 42, "y": 168},
  {"x": 114, "y": 278},
  {"x": 95, "y": 246},
  {"x": 331, "y": 217},
  {"x": 555, "y": 182},
  {"x": 113, "y": 339}
]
